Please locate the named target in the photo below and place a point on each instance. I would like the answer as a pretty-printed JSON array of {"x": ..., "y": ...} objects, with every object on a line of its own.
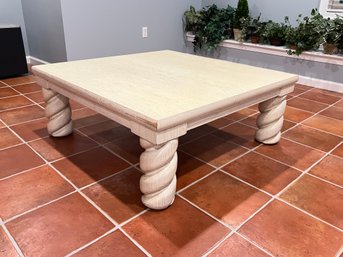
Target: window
[{"x": 331, "y": 8}]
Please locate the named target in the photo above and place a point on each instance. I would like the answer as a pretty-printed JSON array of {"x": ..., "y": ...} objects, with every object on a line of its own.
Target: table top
[{"x": 162, "y": 87}]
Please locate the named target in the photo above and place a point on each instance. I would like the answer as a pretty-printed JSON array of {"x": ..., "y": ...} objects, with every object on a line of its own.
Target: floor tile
[
  {"x": 236, "y": 246},
  {"x": 32, "y": 130},
  {"x": 327, "y": 124},
  {"x": 302, "y": 87},
  {"x": 339, "y": 104},
  {"x": 52, "y": 148},
  {"x": 319, "y": 97},
  {"x": 239, "y": 134},
  {"x": 119, "y": 196},
  {"x": 213, "y": 150},
  {"x": 88, "y": 167},
  {"x": 338, "y": 151},
  {"x": 306, "y": 105},
  {"x": 8, "y": 138},
  {"x": 17, "y": 159},
  {"x": 196, "y": 133},
  {"x": 29, "y": 190},
  {"x": 189, "y": 170},
  {"x": 331, "y": 169},
  {"x": 58, "y": 228},
  {"x": 318, "y": 198},
  {"x": 219, "y": 123},
  {"x": 3, "y": 85},
  {"x": 115, "y": 244},
  {"x": 105, "y": 132},
  {"x": 13, "y": 102},
  {"x": 28, "y": 88},
  {"x": 333, "y": 112},
  {"x": 254, "y": 107},
  {"x": 251, "y": 121},
  {"x": 313, "y": 137},
  {"x": 296, "y": 92},
  {"x": 76, "y": 105},
  {"x": 2, "y": 125},
  {"x": 296, "y": 115},
  {"x": 19, "y": 80},
  {"x": 22, "y": 114},
  {"x": 244, "y": 113},
  {"x": 86, "y": 117},
  {"x": 127, "y": 147},
  {"x": 7, "y": 91},
  {"x": 180, "y": 230},
  {"x": 226, "y": 198},
  {"x": 36, "y": 96},
  {"x": 6, "y": 247},
  {"x": 328, "y": 92},
  {"x": 284, "y": 231},
  {"x": 288, "y": 152},
  {"x": 262, "y": 172}
]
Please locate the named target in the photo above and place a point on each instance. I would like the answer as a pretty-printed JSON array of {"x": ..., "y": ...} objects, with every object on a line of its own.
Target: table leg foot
[
  {"x": 270, "y": 121},
  {"x": 159, "y": 164},
  {"x": 58, "y": 112}
]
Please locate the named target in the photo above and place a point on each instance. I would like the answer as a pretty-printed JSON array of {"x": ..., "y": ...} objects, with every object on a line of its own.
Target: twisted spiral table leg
[
  {"x": 57, "y": 110},
  {"x": 159, "y": 164},
  {"x": 270, "y": 121}
]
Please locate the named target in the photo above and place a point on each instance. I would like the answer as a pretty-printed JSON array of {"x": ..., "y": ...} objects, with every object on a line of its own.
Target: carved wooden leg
[
  {"x": 57, "y": 110},
  {"x": 158, "y": 184},
  {"x": 270, "y": 121}
]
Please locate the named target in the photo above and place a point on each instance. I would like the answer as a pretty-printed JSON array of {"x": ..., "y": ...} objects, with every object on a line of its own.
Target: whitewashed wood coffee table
[{"x": 160, "y": 96}]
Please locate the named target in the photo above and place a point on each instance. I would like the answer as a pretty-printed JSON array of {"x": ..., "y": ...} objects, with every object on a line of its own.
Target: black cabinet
[{"x": 12, "y": 53}]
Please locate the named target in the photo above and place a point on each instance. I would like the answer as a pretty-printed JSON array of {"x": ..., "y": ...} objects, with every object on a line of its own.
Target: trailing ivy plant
[
  {"x": 213, "y": 26},
  {"x": 307, "y": 35},
  {"x": 192, "y": 18}
]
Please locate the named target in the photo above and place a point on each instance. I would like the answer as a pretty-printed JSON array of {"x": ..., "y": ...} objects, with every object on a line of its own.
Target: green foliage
[
  {"x": 275, "y": 30},
  {"x": 213, "y": 26},
  {"x": 192, "y": 18},
  {"x": 242, "y": 11},
  {"x": 333, "y": 30},
  {"x": 252, "y": 27}
]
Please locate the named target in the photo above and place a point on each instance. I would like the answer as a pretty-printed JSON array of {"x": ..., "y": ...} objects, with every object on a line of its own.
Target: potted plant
[
  {"x": 306, "y": 36},
  {"x": 275, "y": 32},
  {"x": 256, "y": 29},
  {"x": 212, "y": 26},
  {"x": 242, "y": 11},
  {"x": 333, "y": 33},
  {"x": 191, "y": 19}
]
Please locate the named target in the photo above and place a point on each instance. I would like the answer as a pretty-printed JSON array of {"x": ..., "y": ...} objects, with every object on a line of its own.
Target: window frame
[{"x": 326, "y": 12}]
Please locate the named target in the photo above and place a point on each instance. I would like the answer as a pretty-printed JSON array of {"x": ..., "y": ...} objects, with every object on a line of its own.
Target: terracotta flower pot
[
  {"x": 276, "y": 42},
  {"x": 330, "y": 48},
  {"x": 255, "y": 39}
]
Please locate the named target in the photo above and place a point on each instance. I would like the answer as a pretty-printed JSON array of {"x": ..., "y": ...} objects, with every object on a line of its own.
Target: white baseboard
[
  {"x": 35, "y": 61},
  {"x": 319, "y": 83}
]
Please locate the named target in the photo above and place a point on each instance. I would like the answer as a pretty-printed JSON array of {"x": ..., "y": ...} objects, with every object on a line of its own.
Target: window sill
[{"x": 315, "y": 56}]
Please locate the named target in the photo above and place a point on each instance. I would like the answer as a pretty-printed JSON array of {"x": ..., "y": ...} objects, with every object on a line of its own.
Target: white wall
[{"x": 11, "y": 13}]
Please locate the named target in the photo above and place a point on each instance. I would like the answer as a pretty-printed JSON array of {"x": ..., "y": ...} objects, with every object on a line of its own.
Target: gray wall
[
  {"x": 11, "y": 13},
  {"x": 107, "y": 27},
  {"x": 44, "y": 27},
  {"x": 272, "y": 9}
]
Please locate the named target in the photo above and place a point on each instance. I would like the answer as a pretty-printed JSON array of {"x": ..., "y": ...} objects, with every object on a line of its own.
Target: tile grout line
[
  {"x": 72, "y": 184},
  {"x": 20, "y": 84},
  {"x": 91, "y": 242},
  {"x": 14, "y": 243},
  {"x": 324, "y": 180}
]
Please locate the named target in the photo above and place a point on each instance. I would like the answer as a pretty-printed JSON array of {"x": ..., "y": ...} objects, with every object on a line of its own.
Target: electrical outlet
[{"x": 144, "y": 32}]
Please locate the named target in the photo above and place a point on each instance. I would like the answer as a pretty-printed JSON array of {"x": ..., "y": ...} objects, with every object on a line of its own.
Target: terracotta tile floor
[{"x": 79, "y": 195}]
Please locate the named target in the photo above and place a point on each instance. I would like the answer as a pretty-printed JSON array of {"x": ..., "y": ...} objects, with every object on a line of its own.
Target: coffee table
[{"x": 159, "y": 96}]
